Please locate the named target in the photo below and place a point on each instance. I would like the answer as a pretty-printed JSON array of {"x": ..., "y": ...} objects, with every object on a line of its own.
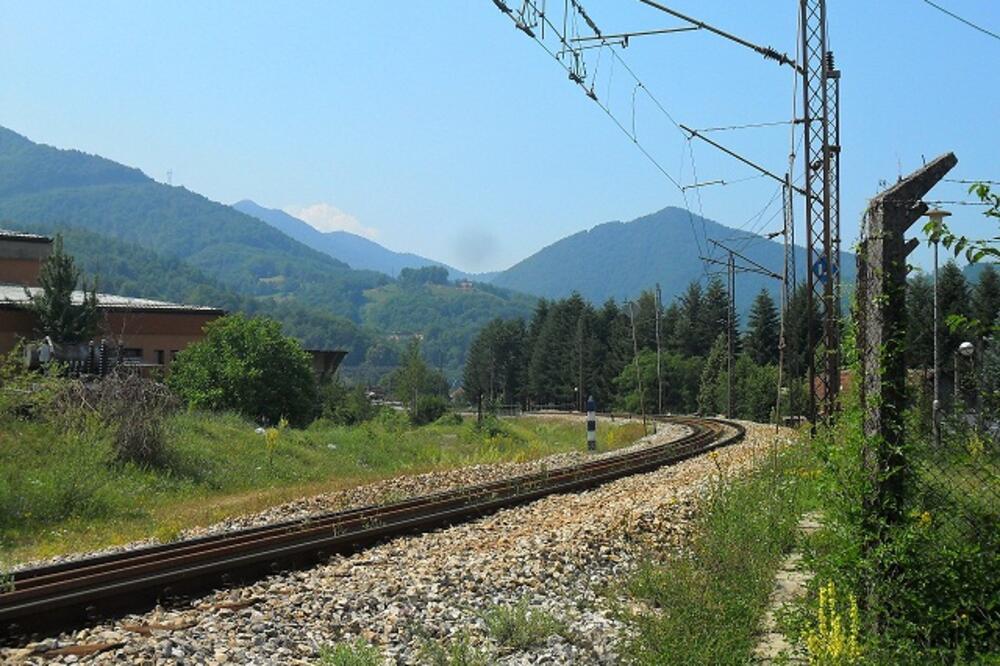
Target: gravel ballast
[{"x": 561, "y": 555}]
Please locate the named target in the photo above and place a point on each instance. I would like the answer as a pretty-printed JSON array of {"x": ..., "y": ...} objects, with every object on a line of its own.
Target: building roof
[
  {"x": 16, "y": 296},
  {"x": 7, "y": 234}
]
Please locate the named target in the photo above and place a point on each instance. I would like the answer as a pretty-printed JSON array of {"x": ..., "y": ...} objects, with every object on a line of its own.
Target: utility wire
[
  {"x": 971, "y": 182},
  {"x": 747, "y": 126},
  {"x": 965, "y": 21},
  {"x": 565, "y": 42}
]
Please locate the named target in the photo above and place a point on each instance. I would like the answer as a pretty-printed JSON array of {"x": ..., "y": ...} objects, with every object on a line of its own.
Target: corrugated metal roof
[
  {"x": 21, "y": 235},
  {"x": 14, "y": 295}
]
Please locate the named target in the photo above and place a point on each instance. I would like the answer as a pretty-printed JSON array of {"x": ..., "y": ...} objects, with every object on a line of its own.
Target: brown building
[{"x": 149, "y": 332}]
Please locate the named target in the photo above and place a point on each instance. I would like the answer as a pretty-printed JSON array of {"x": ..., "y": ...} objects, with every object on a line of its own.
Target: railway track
[{"x": 45, "y": 600}]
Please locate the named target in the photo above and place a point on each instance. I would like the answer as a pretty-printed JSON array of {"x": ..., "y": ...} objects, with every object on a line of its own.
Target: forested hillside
[
  {"x": 127, "y": 269},
  {"x": 569, "y": 349},
  {"x": 44, "y": 185},
  {"x": 620, "y": 259},
  {"x": 423, "y": 302},
  {"x": 144, "y": 238}
]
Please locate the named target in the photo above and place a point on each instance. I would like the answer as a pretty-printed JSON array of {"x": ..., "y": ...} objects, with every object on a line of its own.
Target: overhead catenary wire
[
  {"x": 566, "y": 46},
  {"x": 775, "y": 123},
  {"x": 964, "y": 181},
  {"x": 568, "y": 53},
  {"x": 967, "y": 22}
]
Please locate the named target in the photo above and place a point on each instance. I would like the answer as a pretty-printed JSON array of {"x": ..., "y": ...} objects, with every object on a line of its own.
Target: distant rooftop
[
  {"x": 15, "y": 296},
  {"x": 7, "y": 234}
]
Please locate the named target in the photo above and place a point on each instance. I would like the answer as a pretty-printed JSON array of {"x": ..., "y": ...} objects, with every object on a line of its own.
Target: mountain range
[
  {"x": 146, "y": 238},
  {"x": 356, "y": 251}
]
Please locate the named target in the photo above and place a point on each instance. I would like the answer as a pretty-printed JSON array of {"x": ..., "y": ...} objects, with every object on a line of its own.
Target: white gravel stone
[{"x": 566, "y": 555}]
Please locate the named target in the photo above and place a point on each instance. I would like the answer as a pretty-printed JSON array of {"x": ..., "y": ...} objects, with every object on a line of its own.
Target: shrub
[
  {"x": 429, "y": 408},
  {"x": 248, "y": 366},
  {"x": 357, "y": 653},
  {"x": 456, "y": 651},
  {"x": 518, "y": 627},
  {"x": 24, "y": 394},
  {"x": 345, "y": 405},
  {"x": 134, "y": 408},
  {"x": 450, "y": 419}
]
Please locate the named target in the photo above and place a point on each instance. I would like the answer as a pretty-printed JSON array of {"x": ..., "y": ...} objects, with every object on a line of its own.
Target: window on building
[
  {"x": 160, "y": 356},
  {"x": 131, "y": 355}
]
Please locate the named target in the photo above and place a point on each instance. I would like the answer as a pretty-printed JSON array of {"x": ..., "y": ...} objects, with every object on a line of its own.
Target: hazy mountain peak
[{"x": 356, "y": 251}]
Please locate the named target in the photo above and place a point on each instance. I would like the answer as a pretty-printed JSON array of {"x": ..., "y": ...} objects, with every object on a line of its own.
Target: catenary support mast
[{"x": 820, "y": 90}]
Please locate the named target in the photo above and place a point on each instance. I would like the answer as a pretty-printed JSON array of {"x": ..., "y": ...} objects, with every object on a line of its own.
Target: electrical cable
[
  {"x": 963, "y": 20},
  {"x": 748, "y": 126}
]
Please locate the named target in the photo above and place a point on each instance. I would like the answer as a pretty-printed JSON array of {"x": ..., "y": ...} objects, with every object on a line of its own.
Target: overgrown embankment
[
  {"x": 704, "y": 605},
  {"x": 64, "y": 489}
]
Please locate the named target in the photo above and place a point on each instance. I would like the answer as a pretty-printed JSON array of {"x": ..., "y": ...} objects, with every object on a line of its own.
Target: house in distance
[{"x": 148, "y": 332}]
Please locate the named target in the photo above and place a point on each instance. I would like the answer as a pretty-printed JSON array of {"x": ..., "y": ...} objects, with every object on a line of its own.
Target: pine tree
[
  {"x": 688, "y": 330},
  {"x": 714, "y": 315},
  {"x": 797, "y": 324},
  {"x": 714, "y": 369},
  {"x": 619, "y": 347},
  {"x": 58, "y": 316},
  {"x": 953, "y": 299},
  {"x": 920, "y": 322},
  {"x": 761, "y": 341},
  {"x": 986, "y": 299},
  {"x": 645, "y": 320}
]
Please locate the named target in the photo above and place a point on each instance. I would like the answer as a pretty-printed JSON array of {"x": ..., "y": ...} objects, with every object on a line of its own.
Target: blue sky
[{"x": 437, "y": 128}]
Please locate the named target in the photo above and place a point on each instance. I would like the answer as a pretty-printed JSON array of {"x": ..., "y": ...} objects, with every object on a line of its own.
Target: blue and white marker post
[{"x": 591, "y": 424}]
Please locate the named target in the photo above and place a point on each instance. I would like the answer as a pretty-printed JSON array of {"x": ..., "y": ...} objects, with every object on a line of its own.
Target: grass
[
  {"x": 357, "y": 653},
  {"x": 928, "y": 587},
  {"x": 457, "y": 651},
  {"x": 61, "y": 491},
  {"x": 520, "y": 627},
  {"x": 705, "y": 607}
]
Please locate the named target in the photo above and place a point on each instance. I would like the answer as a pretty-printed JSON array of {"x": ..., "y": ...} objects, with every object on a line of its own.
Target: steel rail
[{"x": 70, "y": 594}]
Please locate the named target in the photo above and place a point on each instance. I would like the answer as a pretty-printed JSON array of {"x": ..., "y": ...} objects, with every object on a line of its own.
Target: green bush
[
  {"x": 455, "y": 651},
  {"x": 345, "y": 405},
  {"x": 929, "y": 584},
  {"x": 246, "y": 365},
  {"x": 24, "y": 394},
  {"x": 450, "y": 419},
  {"x": 429, "y": 408},
  {"x": 357, "y": 653},
  {"x": 519, "y": 627}
]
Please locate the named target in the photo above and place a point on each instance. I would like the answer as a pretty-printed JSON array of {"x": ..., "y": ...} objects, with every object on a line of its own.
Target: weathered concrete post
[
  {"x": 591, "y": 424},
  {"x": 881, "y": 333}
]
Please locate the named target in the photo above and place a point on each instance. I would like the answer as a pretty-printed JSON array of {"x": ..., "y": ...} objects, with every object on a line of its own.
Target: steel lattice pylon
[{"x": 820, "y": 90}]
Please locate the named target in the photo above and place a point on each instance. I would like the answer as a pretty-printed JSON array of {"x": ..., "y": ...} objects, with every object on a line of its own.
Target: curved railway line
[{"x": 47, "y": 599}]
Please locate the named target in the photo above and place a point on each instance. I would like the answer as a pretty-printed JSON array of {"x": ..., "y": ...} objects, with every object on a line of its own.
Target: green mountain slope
[
  {"x": 127, "y": 269},
  {"x": 44, "y": 185},
  {"x": 144, "y": 238},
  {"x": 446, "y": 316},
  {"x": 619, "y": 259}
]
